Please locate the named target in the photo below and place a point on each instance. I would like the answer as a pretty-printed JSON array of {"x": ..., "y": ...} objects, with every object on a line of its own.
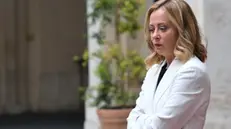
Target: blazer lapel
[
  {"x": 166, "y": 79},
  {"x": 155, "y": 74},
  {"x": 151, "y": 84}
]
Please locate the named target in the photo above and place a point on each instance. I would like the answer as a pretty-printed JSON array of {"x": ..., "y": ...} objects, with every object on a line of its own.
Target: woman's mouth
[{"x": 158, "y": 45}]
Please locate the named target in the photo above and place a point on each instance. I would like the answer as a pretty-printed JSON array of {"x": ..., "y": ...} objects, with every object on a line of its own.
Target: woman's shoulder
[
  {"x": 194, "y": 67},
  {"x": 194, "y": 70},
  {"x": 195, "y": 63}
]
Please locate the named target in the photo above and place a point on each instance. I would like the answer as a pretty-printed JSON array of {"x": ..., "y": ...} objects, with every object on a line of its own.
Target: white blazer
[{"x": 180, "y": 101}]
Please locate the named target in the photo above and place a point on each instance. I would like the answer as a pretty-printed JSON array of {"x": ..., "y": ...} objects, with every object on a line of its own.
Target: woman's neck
[{"x": 169, "y": 60}]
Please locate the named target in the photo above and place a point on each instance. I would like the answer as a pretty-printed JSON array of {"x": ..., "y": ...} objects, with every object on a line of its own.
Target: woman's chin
[{"x": 159, "y": 52}]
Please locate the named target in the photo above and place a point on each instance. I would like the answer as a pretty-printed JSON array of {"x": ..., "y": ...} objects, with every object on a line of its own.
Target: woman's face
[{"x": 163, "y": 34}]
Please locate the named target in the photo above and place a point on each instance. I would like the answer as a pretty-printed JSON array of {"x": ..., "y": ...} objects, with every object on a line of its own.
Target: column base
[{"x": 91, "y": 119}]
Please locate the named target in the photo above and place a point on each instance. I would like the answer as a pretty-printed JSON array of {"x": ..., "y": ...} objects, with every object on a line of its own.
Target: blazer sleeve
[
  {"x": 190, "y": 90},
  {"x": 138, "y": 111}
]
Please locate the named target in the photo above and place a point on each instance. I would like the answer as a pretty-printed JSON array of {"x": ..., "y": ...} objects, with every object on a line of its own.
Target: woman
[{"x": 176, "y": 90}]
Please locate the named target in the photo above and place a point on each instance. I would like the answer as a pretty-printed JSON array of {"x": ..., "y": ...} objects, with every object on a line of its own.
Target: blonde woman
[{"x": 176, "y": 91}]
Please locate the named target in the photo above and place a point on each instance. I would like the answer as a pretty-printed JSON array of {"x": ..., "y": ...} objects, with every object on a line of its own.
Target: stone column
[
  {"x": 197, "y": 6},
  {"x": 198, "y": 9},
  {"x": 12, "y": 100},
  {"x": 218, "y": 31},
  {"x": 91, "y": 118},
  {"x": 215, "y": 19}
]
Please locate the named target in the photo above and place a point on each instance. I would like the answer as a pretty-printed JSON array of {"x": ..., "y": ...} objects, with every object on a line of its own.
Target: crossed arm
[{"x": 188, "y": 93}]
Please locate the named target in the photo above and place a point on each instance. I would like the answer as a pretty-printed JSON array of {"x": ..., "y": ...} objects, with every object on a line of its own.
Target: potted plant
[{"x": 120, "y": 70}]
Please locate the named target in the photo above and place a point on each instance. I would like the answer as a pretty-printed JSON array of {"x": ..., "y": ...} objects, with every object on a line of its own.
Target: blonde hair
[{"x": 189, "y": 42}]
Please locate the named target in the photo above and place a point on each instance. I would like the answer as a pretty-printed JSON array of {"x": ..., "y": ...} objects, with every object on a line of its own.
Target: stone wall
[{"x": 217, "y": 19}]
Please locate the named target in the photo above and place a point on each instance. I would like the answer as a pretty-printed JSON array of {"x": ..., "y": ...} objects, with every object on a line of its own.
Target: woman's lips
[{"x": 158, "y": 45}]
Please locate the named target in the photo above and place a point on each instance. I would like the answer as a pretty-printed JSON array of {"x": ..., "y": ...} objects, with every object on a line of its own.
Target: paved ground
[{"x": 42, "y": 121}]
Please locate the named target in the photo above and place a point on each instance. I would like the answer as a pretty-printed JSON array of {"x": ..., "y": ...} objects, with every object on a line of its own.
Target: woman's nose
[{"x": 155, "y": 35}]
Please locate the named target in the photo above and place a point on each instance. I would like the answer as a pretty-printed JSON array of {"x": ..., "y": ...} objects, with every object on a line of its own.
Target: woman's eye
[
  {"x": 150, "y": 29},
  {"x": 163, "y": 28}
]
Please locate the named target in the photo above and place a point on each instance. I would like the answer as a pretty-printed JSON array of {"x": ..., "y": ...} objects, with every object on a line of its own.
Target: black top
[{"x": 163, "y": 70}]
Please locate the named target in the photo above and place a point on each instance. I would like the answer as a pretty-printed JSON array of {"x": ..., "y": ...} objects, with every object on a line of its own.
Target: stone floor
[{"x": 42, "y": 121}]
